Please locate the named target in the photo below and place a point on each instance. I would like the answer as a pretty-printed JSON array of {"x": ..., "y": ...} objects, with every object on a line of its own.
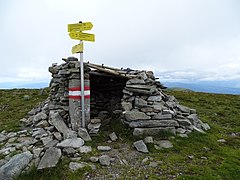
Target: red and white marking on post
[{"x": 75, "y": 92}]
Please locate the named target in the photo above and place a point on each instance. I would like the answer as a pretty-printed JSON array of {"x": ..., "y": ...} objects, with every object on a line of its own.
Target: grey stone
[
  {"x": 135, "y": 115},
  {"x": 135, "y": 81},
  {"x": 74, "y": 143},
  {"x": 2, "y": 162},
  {"x": 75, "y": 166},
  {"x": 139, "y": 91},
  {"x": 94, "y": 126},
  {"x": 42, "y": 124},
  {"x": 180, "y": 130},
  {"x": 153, "y": 131},
  {"x": 104, "y": 148},
  {"x": 193, "y": 118},
  {"x": 167, "y": 111},
  {"x": 104, "y": 160},
  {"x": 139, "y": 87},
  {"x": 52, "y": 143},
  {"x": 141, "y": 146},
  {"x": 70, "y": 134},
  {"x": 37, "y": 152},
  {"x": 46, "y": 140},
  {"x": 193, "y": 111},
  {"x": 94, "y": 159},
  {"x": 69, "y": 151},
  {"x": 85, "y": 149},
  {"x": 127, "y": 106},
  {"x": 83, "y": 133},
  {"x": 148, "y": 139},
  {"x": 157, "y": 147},
  {"x": 11, "y": 140},
  {"x": 153, "y": 123},
  {"x": 7, "y": 150},
  {"x": 221, "y": 140},
  {"x": 155, "y": 98},
  {"x": 158, "y": 106},
  {"x": 183, "y": 135},
  {"x": 113, "y": 136},
  {"x": 57, "y": 135},
  {"x": 143, "y": 76},
  {"x": 139, "y": 102},
  {"x": 164, "y": 144},
  {"x": 15, "y": 165},
  {"x": 39, "y": 116},
  {"x": 39, "y": 132},
  {"x": 95, "y": 121},
  {"x": 153, "y": 164},
  {"x": 162, "y": 116},
  {"x": 126, "y": 92},
  {"x": 184, "y": 122},
  {"x": 147, "y": 110},
  {"x": 198, "y": 130},
  {"x": 11, "y": 134},
  {"x": 93, "y": 131},
  {"x": 3, "y": 138},
  {"x": 50, "y": 158},
  {"x": 183, "y": 108},
  {"x": 56, "y": 120},
  {"x": 205, "y": 126}
]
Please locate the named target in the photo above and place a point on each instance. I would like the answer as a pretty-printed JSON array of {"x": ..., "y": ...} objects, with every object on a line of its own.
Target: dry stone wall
[
  {"x": 150, "y": 111},
  {"x": 53, "y": 128}
]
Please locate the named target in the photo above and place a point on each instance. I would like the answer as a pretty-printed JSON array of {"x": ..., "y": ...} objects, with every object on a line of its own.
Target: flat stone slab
[
  {"x": 15, "y": 165},
  {"x": 153, "y": 131},
  {"x": 113, "y": 136},
  {"x": 141, "y": 146},
  {"x": 74, "y": 143},
  {"x": 50, "y": 158},
  {"x": 57, "y": 121},
  {"x": 135, "y": 115},
  {"x": 164, "y": 144},
  {"x": 85, "y": 149},
  {"x": 83, "y": 133},
  {"x": 74, "y": 166},
  {"x": 104, "y": 148},
  {"x": 104, "y": 160},
  {"x": 153, "y": 123}
]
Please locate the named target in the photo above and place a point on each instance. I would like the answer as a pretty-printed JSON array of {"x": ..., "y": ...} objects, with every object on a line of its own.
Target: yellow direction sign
[
  {"x": 82, "y": 36},
  {"x": 77, "y": 48},
  {"x": 80, "y": 26}
]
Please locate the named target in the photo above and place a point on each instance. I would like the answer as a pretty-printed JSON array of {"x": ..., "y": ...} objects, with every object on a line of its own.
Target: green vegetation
[
  {"x": 14, "y": 105},
  {"x": 200, "y": 156}
]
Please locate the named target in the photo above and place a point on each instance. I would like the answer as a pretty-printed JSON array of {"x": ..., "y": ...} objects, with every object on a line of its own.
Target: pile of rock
[
  {"x": 150, "y": 111},
  {"x": 53, "y": 130}
]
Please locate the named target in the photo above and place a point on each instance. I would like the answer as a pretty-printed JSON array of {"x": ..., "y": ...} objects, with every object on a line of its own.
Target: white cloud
[{"x": 184, "y": 40}]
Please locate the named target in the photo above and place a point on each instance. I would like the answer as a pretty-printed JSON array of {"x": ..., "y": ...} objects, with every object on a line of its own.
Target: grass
[
  {"x": 198, "y": 157},
  {"x": 14, "y": 106}
]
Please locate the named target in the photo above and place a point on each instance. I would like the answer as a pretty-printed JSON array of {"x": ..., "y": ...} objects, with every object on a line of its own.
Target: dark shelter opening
[{"x": 106, "y": 93}]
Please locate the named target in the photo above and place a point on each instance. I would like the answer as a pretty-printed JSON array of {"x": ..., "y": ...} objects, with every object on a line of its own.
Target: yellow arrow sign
[
  {"x": 80, "y": 26},
  {"x": 82, "y": 36},
  {"x": 77, "y": 48}
]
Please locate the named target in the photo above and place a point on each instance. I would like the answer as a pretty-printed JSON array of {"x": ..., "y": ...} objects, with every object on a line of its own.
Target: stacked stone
[{"x": 150, "y": 111}]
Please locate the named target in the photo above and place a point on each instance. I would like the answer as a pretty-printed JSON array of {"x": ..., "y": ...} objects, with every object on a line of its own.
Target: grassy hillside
[
  {"x": 200, "y": 156},
  {"x": 14, "y": 105}
]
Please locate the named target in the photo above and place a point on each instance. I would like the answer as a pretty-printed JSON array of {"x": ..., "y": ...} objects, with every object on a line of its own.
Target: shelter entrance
[{"x": 106, "y": 93}]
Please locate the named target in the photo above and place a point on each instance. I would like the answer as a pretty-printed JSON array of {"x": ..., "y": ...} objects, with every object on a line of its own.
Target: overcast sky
[{"x": 177, "y": 39}]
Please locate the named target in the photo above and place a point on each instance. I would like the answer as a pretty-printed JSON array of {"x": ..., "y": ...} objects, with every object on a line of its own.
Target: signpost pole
[
  {"x": 75, "y": 32},
  {"x": 82, "y": 87}
]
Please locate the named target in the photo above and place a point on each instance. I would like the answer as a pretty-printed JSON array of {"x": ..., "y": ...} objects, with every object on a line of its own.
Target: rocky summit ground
[{"x": 211, "y": 155}]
